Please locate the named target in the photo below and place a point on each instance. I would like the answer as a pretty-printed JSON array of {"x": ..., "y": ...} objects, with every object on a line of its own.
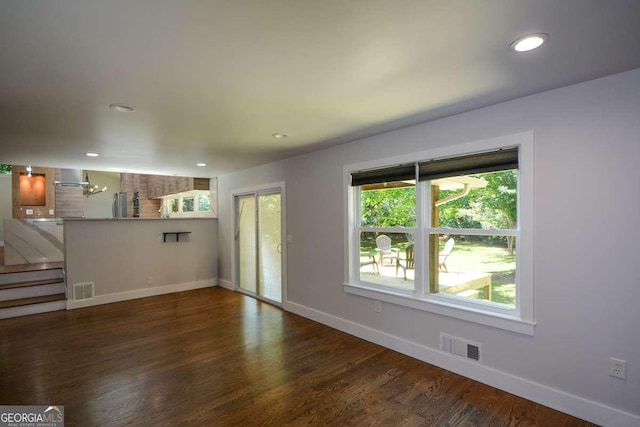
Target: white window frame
[
  {"x": 196, "y": 213},
  {"x": 521, "y": 318},
  {"x": 357, "y": 229}
]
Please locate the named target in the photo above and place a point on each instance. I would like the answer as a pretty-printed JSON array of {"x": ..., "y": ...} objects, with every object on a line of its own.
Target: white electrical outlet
[
  {"x": 618, "y": 368},
  {"x": 150, "y": 280},
  {"x": 377, "y": 306}
]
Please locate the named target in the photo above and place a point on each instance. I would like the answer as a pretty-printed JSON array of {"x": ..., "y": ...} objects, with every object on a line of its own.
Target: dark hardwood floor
[{"x": 212, "y": 357}]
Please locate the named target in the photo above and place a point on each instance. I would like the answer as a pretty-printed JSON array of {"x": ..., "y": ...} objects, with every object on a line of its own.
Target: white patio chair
[
  {"x": 446, "y": 251},
  {"x": 383, "y": 245}
]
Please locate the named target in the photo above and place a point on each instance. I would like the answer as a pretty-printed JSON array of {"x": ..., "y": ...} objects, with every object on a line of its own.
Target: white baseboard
[
  {"x": 141, "y": 293},
  {"x": 574, "y": 405},
  {"x": 226, "y": 284}
]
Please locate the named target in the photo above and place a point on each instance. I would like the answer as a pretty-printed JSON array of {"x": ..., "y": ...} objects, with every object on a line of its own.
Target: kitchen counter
[
  {"x": 137, "y": 219},
  {"x": 30, "y": 241}
]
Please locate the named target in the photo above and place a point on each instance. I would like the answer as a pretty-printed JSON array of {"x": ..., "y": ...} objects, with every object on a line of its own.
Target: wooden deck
[
  {"x": 216, "y": 357},
  {"x": 459, "y": 283},
  {"x": 453, "y": 282}
]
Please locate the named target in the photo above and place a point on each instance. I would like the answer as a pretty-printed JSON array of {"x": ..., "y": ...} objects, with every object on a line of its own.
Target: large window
[
  {"x": 444, "y": 233},
  {"x": 387, "y": 228},
  {"x": 194, "y": 203}
]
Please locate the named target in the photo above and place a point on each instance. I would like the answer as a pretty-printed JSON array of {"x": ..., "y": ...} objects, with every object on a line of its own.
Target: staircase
[{"x": 31, "y": 288}]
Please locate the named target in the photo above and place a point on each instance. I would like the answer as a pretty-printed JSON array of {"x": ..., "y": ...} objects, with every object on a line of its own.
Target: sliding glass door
[
  {"x": 259, "y": 244},
  {"x": 246, "y": 235}
]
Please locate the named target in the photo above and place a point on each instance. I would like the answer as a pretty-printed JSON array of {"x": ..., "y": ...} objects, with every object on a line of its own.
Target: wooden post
[{"x": 434, "y": 243}]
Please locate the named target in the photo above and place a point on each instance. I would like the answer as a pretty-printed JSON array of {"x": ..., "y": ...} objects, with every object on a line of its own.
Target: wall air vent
[
  {"x": 460, "y": 347},
  {"x": 83, "y": 291}
]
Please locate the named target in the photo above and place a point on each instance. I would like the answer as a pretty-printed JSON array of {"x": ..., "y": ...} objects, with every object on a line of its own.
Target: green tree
[
  {"x": 454, "y": 214},
  {"x": 496, "y": 205},
  {"x": 5, "y": 169},
  {"x": 393, "y": 207}
]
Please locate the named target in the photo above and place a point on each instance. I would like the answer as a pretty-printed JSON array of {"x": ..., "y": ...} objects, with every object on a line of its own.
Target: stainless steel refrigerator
[{"x": 120, "y": 205}]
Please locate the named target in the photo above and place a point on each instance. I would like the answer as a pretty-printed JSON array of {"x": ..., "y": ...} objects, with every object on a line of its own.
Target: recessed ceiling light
[
  {"x": 92, "y": 154},
  {"x": 201, "y": 164},
  {"x": 278, "y": 135},
  {"x": 123, "y": 108},
  {"x": 530, "y": 42}
]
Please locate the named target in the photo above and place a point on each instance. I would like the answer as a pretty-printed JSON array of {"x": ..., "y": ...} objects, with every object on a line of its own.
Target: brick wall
[{"x": 132, "y": 182}]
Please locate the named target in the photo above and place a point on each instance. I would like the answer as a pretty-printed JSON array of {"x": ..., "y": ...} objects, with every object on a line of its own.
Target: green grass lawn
[{"x": 487, "y": 259}]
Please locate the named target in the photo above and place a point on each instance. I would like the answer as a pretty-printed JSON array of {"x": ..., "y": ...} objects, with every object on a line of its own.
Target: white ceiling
[{"x": 213, "y": 80}]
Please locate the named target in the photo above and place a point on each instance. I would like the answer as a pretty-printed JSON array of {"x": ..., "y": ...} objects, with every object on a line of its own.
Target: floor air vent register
[
  {"x": 83, "y": 291},
  {"x": 460, "y": 347}
]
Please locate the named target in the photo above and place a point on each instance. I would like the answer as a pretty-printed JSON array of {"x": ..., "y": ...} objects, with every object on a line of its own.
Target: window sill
[{"x": 445, "y": 308}]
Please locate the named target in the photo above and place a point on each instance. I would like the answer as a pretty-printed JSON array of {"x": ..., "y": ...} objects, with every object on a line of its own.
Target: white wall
[
  {"x": 587, "y": 244},
  {"x": 5, "y": 202},
  {"x": 120, "y": 255},
  {"x": 99, "y": 205}
]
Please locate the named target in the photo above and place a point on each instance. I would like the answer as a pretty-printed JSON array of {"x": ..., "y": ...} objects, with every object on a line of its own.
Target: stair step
[
  {"x": 31, "y": 283},
  {"x": 31, "y": 300},
  {"x": 26, "y": 310},
  {"x": 30, "y": 276},
  {"x": 31, "y": 267}
]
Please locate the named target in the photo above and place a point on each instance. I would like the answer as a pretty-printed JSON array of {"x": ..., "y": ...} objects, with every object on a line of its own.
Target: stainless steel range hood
[{"x": 70, "y": 178}]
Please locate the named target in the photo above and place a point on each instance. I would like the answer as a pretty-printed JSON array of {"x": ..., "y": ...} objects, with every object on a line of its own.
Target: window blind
[
  {"x": 494, "y": 161},
  {"x": 388, "y": 174}
]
